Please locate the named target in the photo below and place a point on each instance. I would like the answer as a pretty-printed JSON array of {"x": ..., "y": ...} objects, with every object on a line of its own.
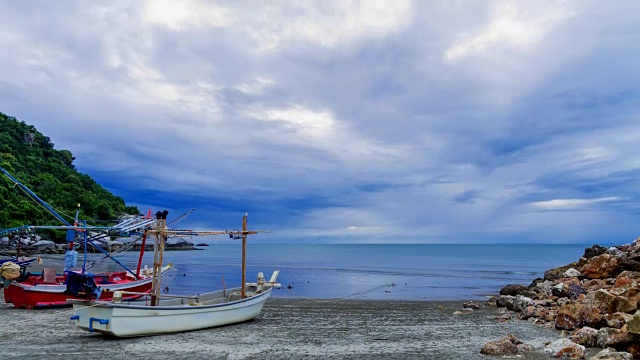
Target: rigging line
[
  {"x": 126, "y": 247},
  {"x": 181, "y": 217},
  {"x": 44, "y": 207},
  {"x": 345, "y": 297}
]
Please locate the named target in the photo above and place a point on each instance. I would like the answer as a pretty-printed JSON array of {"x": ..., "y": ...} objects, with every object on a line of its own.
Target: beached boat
[
  {"x": 48, "y": 289},
  {"x": 174, "y": 313},
  {"x": 51, "y": 290}
]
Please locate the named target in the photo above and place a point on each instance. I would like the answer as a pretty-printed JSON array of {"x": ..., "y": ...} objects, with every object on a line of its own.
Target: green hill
[{"x": 31, "y": 158}]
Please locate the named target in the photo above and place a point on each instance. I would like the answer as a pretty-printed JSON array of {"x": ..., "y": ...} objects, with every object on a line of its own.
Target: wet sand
[{"x": 286, "y": 329}]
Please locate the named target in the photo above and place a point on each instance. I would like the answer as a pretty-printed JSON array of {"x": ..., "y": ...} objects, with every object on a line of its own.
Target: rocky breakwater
[{"x": 593, "y": 302}]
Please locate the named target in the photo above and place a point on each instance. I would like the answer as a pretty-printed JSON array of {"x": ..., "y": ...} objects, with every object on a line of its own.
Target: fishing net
[{"x": 10, "y": 270}]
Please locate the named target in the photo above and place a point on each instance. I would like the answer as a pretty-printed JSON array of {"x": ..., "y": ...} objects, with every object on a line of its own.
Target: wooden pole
[
  {"x": 157, "y": 258},
  {"x": 144, "y": 243},
  {"x": 154, "y": 279},
  {"x": 244, "y": 255}
]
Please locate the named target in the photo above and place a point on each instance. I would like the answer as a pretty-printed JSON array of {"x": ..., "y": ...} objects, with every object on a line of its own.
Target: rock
[
  {"x": 634, "y": 324},
  {"x": 586, "y": 336},
  {"x": 563, "y": 301},
  {"x": 525, "y": 348},
  {"x": 634, "y": 350},
  {"x": 471, "y": 305},
  {"x": 544, "y": 287},
  {"x": 614, "y": 251},
  {"x": 504, "y": 318},
  {"x": 557, "y": 273},
  {"x": 566, "y": 349},
  {"x": 570, "y": 288},
  {"x": 513, "y": 290},
  {"x": 611, "y": 354},
  {"x": 506, "y": 301},
  {"x": 594, "y": 251},
  {"x": 630, "y": 265},
  {"x": 617, "y": 320},
  {"x": 610, "y": 303},
  {"x": 507, "y": 345},
  {"x": 609, "y": 337},
  {"x": 521, "y": 302},
  {"x": 571, "y": 272},
  {"x": 601, "y": 266},
  {"x": 576, "y": 315},
  {"x": 537, "y": 312}
]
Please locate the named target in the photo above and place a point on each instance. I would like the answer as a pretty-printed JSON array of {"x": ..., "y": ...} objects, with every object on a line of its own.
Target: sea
[{"x": 364, "y": 271}]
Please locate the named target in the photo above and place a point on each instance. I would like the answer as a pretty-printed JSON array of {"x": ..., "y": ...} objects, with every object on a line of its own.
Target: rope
[
  {"x": 126, "y": 247},
  {"x": 345, "y": 297},
  {"x": 44, "y": 207}
]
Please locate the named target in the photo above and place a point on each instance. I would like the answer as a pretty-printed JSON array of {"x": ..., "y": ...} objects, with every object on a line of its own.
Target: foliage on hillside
[{"x": 32, "y": 159}]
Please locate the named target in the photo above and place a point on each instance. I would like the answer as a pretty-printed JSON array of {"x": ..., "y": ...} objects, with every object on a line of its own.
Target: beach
[{"x": 286, "y": 329}]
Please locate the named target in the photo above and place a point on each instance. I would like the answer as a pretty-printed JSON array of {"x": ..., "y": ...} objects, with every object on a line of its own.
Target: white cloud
[
  {"x": 256, "y": 86},
  {"x": 181, "y": 15},
  {"x": 306, "y": 123},
  {"x": 563, "y": 204},
  {"x": 510, "y": 25},
  {"x": 375, "y": 119},
  {"x": 272, "y": 25}
]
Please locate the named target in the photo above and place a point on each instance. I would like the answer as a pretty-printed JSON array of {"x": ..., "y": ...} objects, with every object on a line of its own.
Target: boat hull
[
  {"x": 129, "y": 320},
  {"x": 31, "y": 296}
]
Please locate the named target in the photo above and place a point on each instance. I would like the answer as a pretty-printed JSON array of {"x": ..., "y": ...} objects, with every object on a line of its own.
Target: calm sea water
[{"x": 389, "y": 272}]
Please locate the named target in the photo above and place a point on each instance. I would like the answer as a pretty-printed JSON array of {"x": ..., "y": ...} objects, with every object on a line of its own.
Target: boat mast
[
  {"x": 158, "y": 252},
  {"x": 244, "y": 256}
]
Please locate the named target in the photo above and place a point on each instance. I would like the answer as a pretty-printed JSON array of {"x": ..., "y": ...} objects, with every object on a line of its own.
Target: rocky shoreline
[
  {"x": 593, "y": 302},
  {"x": 49, "y": 247}
]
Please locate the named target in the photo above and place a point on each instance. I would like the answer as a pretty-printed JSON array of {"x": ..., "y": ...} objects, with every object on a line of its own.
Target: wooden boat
[
  {"x": 50, "y": 290},
  {"x": 31, "y": 291},
  {"x": 176, "y": 313}
]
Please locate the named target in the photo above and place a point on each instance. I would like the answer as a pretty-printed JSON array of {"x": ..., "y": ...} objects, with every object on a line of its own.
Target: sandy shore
[{"x": 286, "y": 329}]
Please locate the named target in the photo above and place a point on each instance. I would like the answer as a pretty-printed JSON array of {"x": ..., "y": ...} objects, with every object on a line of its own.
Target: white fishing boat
[{"x": 162, "y": 313}]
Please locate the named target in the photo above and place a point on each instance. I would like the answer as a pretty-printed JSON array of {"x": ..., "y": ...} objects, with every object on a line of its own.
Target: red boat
[{"x": 50, "y": 290}]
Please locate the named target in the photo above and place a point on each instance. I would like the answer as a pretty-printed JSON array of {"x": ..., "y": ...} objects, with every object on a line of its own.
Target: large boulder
[
  {"x": 610, "y": 303},
  {"x": 565, "y": 349},
  {"x": 594, "y": 251},
  {"x": 557, "y": 273},
  {"x": 611, "y": 354},
  {"x": 602, "y": 266},
  {"x": 570, "y": 288},
  {"x": 587, "y": 336},
  {"x": 507, "y": 345},
  {"x": 521, "y": 302},
  {"x": 617, "y": 320},
  {"x": 576, "y": 315},
  {"x": 634, "y": 324},
  {"x": 514, "y": 290},
  {"x": 630, "y": 265},
  {"x": 608, "y": 337}
]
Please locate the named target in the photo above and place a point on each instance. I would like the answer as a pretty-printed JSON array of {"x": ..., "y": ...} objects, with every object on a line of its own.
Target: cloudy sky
[{"x": 345, "y": 121}]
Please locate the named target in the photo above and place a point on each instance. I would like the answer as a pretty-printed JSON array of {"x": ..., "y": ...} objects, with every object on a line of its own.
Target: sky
[{"x": 344, "y": 121}]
